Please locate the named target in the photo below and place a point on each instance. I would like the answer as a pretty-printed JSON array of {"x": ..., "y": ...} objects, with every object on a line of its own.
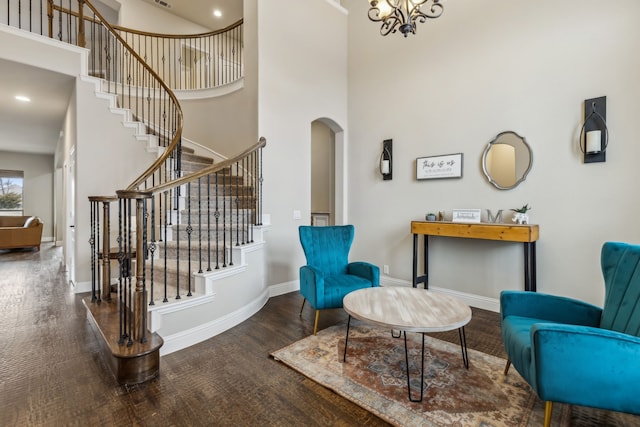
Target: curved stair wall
[{"x": 155, "y": 210}]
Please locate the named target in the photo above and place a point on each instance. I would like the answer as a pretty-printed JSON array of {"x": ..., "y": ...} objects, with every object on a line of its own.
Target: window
[{"x": 11, "y": 192}]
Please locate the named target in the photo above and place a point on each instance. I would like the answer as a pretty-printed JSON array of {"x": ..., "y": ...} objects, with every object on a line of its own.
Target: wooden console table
[{"x": 527, "y": 234}]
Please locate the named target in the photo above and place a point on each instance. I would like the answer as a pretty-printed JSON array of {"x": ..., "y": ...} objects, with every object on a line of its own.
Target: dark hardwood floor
[{"x": 52, "y": 375}]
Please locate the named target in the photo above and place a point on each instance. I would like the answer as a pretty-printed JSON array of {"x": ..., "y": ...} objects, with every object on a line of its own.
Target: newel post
[
  {"x": 81, "y": 36},
  {"x": 140, "y": 298}
]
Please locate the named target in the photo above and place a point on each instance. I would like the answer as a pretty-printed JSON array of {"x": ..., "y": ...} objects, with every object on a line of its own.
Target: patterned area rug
[{"x": 374, "y": 377}]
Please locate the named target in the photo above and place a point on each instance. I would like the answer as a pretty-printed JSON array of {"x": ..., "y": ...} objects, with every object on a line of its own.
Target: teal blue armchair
[
  {"x": 328, "y": 275},
  {"x": 576, "y": 353}
]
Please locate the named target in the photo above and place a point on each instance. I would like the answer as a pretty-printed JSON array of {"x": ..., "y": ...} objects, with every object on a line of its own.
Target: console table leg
[
  {"x": 426, "y": 261},
  {"x": 424, "y": 278},
  {"x": 530, "y": 266},
  {"x": 415, "y": 260},
  {"x": 533, "y": 266},
  {"x": 406, "y": 358},
  {"x": 346, "y": 340}
]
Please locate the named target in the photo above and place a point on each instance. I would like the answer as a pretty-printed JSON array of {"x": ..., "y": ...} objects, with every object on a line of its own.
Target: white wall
[
  {"x": 108, "y": 158},
  {"x": 37, "y": 186},
  {"x": 480, "y": 69},
  {"x": 226, "y": 124},
  {"x": 302, "y": 65}
]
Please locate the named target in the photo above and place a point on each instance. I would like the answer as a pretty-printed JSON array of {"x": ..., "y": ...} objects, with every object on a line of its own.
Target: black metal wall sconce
[
  {"x": 386, "y": 162},
  {"x": 594, "y": 135}
]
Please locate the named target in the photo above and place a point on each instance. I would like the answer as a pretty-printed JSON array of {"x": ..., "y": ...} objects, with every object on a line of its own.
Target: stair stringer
[
  {"x": 227, "y": 297},
  {"x": 139, "y": 129}
]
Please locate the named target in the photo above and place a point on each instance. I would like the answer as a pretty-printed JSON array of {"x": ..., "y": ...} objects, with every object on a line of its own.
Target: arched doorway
[{"x": 327, "y": 173}]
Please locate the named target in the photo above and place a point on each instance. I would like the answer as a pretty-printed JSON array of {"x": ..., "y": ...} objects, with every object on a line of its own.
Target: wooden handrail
[
  {"x": 216, "y": 167},
  {"x": 179, "y": 122}
]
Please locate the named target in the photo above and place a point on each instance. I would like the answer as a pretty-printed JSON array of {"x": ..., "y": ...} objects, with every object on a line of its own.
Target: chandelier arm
[{"x": 402, "y": 14}]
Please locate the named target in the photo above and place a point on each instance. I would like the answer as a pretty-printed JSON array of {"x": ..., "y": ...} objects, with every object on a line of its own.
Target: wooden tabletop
[
  {"x": 486, "y": 231},
  {"x": 407, "y": 309}
]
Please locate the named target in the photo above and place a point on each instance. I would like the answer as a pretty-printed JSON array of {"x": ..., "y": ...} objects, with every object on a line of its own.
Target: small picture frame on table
[
  {"x": 466, "y": 215},
  {"x": 439, "y": 167}
]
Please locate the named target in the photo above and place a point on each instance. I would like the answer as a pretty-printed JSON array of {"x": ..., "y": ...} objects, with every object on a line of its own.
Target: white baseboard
[
  {"x": 208, "y": 330},
  {"x": 81, "y": 287},
  {"x": 478, "y": 301},
  {"x": 284, "y": 288},
  {"x": 472, "y": 300}
]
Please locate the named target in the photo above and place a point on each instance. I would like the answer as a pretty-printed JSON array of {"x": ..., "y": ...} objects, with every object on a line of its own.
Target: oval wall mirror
[{"x": 506, "y": 160}]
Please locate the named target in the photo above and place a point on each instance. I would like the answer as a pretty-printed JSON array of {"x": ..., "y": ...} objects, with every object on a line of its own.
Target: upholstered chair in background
[
  {"x": 328, "y": 275},
  {"x": 576, "y": 353}
]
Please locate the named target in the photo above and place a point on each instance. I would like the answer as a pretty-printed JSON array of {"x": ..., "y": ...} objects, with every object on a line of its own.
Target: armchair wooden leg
[
  {"x": 548, "y": 407},
  {"x": 301, "y": 308},
  {"x": 315, "y": 326},
  {"x": 506, "y": 368}
]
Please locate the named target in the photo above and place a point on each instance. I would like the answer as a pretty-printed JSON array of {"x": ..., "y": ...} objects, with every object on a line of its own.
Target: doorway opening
[{"x": 327, "y": 173}]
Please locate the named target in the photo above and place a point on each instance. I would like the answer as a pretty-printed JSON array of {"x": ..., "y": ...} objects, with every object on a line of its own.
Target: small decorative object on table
[
  {"x": 430, "y": 217},
  {"x": 521, "y": 216},
  {"x": 495, "y": 219},
  {"x": 466, "y": 215}
]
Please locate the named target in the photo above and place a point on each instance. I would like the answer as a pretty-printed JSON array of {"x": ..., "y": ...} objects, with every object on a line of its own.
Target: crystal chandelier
[{"x": 403, "y": 14}]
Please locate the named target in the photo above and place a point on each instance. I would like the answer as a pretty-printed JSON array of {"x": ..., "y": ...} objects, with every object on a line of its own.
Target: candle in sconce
[
  {"x": 385, "y": 167},
  {"x": 594, "y": 141}
]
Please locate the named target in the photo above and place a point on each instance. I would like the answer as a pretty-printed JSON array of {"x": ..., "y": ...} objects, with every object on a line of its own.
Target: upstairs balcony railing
[{"x": 183, "y": 62}]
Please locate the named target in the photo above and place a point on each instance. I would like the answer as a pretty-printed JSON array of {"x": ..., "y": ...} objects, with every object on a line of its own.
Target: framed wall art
[{"x": 438, "y": 167}]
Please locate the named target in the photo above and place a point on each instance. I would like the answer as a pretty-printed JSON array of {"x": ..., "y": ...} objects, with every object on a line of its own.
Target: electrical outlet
[
  {"x": 385, "y": 269},
  {"x": 297, "y": 214}
]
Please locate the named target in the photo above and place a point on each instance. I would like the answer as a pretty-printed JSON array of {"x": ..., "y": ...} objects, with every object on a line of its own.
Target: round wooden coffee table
[{"x": 409, "y": 310}]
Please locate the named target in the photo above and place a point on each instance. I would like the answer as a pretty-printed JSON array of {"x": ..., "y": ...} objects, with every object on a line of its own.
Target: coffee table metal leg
[
  {"x": 406, "y": 357},
  {"x": 346, "y": 340},
  {"x": 463, "y": 346}
]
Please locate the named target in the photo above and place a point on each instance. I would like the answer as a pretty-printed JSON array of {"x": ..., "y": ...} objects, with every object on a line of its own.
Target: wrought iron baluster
[
  {"x": 245, "y": 197},
  {"x": 224, "y": 218},
  {"x": 143, "y": 306},
  {"x": 177, "y": 243},
  {"x": 189, "y": 232},
  {"x": 209, "y": 222},
  {"x": 199, "y": 225},
  {"x": 236, "y": 193},
  {"x": 92, "y": 244},
  {"x": 98, "y": 291},
  {"x": 152, "y": 247},
  {"x": 217, "y": 215},
  {"x": 167, "y": 213}
]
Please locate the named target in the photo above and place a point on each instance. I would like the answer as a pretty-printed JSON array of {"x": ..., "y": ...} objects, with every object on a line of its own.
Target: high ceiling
[{"x": 201, "y": 11}]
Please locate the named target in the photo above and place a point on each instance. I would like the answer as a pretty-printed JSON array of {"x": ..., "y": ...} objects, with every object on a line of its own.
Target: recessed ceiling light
[
  {"x": 23, "y": 98},
  {"x": 217, "y": 13}
]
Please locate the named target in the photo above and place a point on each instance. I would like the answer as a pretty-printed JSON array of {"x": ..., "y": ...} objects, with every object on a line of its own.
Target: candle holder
[{"x": 594, "y": 135}]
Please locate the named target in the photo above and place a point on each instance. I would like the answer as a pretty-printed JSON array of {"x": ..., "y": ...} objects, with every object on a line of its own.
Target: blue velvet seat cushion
[
  {"x": 516, "y": 335},
  {"x": 339, "y": 285}
]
